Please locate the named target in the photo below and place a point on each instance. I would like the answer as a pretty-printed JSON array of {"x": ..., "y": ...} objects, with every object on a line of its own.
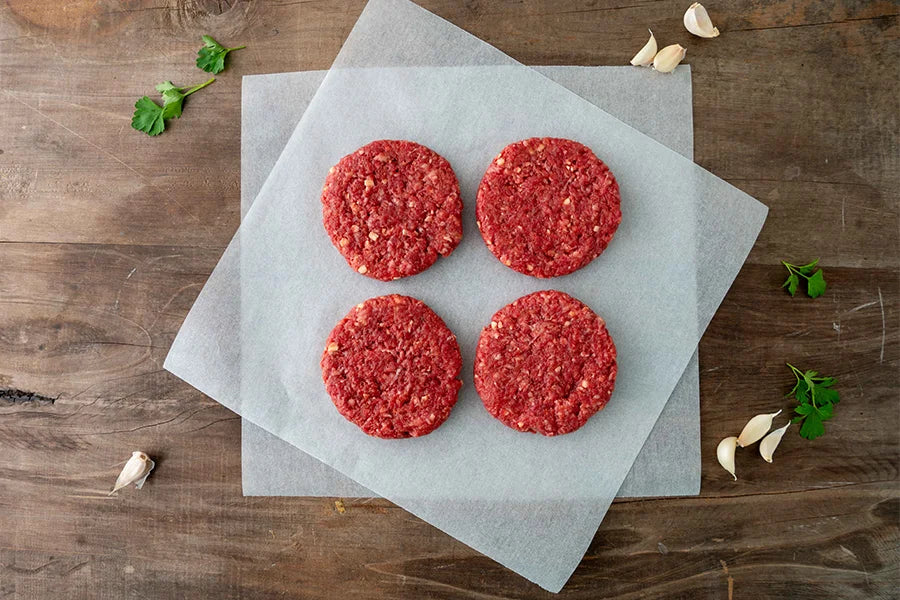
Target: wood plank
[{"x": 76, "y": 316}]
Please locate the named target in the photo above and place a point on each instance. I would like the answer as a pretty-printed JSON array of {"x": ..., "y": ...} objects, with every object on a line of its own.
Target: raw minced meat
[
  {"x": 547, "y": 206},
  {"x": 545, "y": 364},
  {"x": 391, "y": 366},
  {"x": 391, "y": 208}
]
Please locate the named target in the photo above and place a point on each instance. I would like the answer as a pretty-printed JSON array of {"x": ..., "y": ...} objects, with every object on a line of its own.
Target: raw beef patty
[
  {"x": 545, "y": 364},
  {"x": 547, "y": 206},
  {"x": 391, "y": 367},
  {"x": 391, "y": 208}
]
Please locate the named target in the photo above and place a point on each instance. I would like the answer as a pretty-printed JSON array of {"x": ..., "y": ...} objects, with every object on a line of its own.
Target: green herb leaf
[
  {"x": 211, "y": 57},
  {"x": 826, "y": 395},
  {"x": 148, "y": 117},
  {"x": 166, "y": 87},
  {"x": 807, "y": 269},
  {"x": 812, "y": 426},
  {"x": 803, "y": 409},
  {"x": 815, "y": 282},
  {"x": 792, "y": 282},
  {"x": 815, "y": 401},
  {"x": 826, "y": 412},
  {"x": 815, "y": 285},
  {"x": 169, "y": 91},
  {"x": 802, "y": 392},
  {"x": 173, "y": 99}
]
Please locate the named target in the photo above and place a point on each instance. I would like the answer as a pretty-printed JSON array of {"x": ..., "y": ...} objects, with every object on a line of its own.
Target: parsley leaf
[
  {"x": 815, "y": 285},
  {"x": 807, "y": 269},
  {"x": 815, "y": 401},
  {"x": 802, "y": 393},
  {"x": 211, "y": 57},
  {"x": 173, "y": 100},
  {"x": 792, "y": 282},
  {"x": 166, "y": 87},
  {"x": 815, "y": 278},
  {"x": 173, "y": 97},
  {"x": 826, "y": 395},
  {"x": 150, "y": 117},
  {"x": 803, "y": 409},
  {"x": 812, "y": 426}
]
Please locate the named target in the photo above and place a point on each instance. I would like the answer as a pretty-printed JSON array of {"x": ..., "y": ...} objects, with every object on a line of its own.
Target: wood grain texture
[{"x": 107, "y": 236}]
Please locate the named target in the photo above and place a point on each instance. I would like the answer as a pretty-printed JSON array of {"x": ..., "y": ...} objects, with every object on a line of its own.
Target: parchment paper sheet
[
  {"x": 490, "y": 487},
  {"x": 658, "y": 106}
]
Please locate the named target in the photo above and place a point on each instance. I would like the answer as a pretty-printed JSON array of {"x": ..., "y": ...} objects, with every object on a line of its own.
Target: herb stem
[
  {"x": 236, "y": 48},
  {"x": 812, "y": 388},
  {"x": 199, "y": 87},
  {"x": 793, "y": 269}
]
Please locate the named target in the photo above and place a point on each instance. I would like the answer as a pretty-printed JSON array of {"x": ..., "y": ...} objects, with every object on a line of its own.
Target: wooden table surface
[{"x": 107, "y": 236}]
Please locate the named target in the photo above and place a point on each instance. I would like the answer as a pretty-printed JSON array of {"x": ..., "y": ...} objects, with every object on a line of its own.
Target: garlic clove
[
  {"x": 755, "y": 429},
  {"x": 668, "y": 58},
  {"x": 140, "y": 482},
  {"x": 725, "y": 454},
  {"x": 697, "y": 21},
  {"x": 135, "y": 471},
  {"x": 770, "y": 442},
  {"x": 644, "y": 57}
]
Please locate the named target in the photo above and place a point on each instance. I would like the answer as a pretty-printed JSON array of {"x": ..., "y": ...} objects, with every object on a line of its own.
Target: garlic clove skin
[
  {"x": 135, "y": 471},
  {"x": 668, "y": 58},
  {"x": 140, "y": 482},
  {"x": 770, "y": 442},
  {"x": 755, "y": 428},
  {"x": 725, "y": 454},
  {"x": 697, "y": 21},
  {"x": 644, "y": 57}
]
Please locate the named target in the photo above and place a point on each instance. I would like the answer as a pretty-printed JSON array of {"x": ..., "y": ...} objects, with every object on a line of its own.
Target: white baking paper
[
  {"x": 492, "y": 488},
  {"x": 669, "y": 462}
]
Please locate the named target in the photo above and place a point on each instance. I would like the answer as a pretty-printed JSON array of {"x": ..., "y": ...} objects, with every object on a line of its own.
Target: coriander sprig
[
  {"x": 173, "y": 97},
  {"x": 815, "y": 401},
  {"x": 815, "y": 281},
  {"x": 211, "y": 57},
  {"x": 150, "y": 117}
]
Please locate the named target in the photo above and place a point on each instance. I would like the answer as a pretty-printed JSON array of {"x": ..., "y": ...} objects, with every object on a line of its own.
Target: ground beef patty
[
  {"x": 545, "y": 364},
  {"x": 391, "y": 208},
  {"x": 391, "y": 367},
  {"x": 547, "y": 206}
]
